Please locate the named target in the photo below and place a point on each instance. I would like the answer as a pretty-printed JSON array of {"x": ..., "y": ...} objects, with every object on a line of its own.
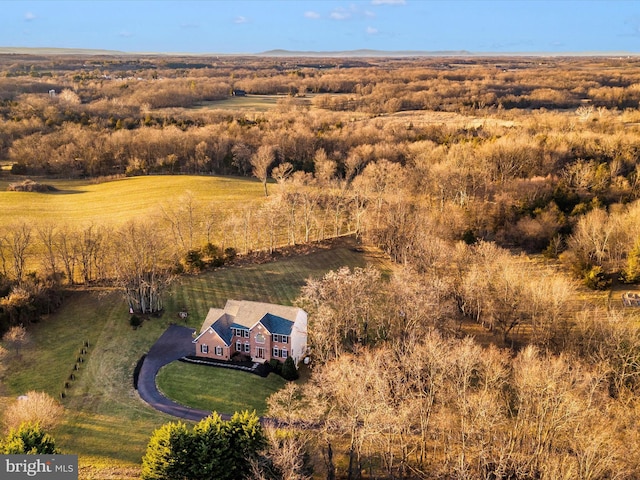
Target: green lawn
[
  {"x": 106, "y": 423},
  {"x": 255, "y": 103},
  {"x": 217, "y": 389},
  {"x": 79, "y": 202}
]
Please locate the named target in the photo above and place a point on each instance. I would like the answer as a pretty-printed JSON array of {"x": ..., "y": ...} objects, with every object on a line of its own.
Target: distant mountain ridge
[
  {"x": 362, "y": 53},
  {"x": 57, "y": 51}
]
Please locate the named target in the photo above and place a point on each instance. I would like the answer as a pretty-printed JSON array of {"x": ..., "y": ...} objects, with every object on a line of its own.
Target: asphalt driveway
[{"x": 172, "y": 345}]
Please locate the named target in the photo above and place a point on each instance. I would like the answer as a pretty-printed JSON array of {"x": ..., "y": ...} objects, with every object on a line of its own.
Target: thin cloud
[
  {"x": 187, "y": 26},
  {"x": 312, "y": 15},
  {"x": 240, "y": 19},
  {"x": 29, "y": 17},
  {"x": 372, "y": 31},
  {"x": 125, "y": 34},
  {"x": 388, "y": 2},
  {"x": 340, "y": 14},
  {"x": 353, "y": 12}
]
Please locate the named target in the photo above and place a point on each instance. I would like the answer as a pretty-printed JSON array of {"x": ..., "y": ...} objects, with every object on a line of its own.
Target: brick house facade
[{"x": 262, "y": 331}]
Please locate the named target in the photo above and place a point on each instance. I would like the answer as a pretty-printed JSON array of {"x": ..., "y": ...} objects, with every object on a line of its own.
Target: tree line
[{"x": 496, "y": 222}]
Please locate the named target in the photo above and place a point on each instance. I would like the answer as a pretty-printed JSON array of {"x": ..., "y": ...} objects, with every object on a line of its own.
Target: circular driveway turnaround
[{"x": 173, "y": 344}]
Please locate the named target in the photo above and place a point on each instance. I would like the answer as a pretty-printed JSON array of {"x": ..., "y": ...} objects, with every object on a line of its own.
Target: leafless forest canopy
[{"x": 504, "y": 190}]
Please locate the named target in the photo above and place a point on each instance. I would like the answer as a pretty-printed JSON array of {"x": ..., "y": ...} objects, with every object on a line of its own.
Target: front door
[{"x": 259, "y": 352}]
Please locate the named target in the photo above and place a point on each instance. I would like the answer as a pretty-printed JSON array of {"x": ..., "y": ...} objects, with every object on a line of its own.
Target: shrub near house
[{"x": 258, "y": 330}]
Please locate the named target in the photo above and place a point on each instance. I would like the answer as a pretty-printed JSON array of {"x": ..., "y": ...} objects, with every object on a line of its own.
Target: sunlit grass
[
  {"x": 217, "y": 389},
  {"x": 79, "y": 202}
]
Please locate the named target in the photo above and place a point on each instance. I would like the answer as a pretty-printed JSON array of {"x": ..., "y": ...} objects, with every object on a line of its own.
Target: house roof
[
  {"x": 249, "y": 314},
  {"x": 277, "y": 319},
  {"x": 219, "y": 322},
  {"x": 223, "y": 328},
  {"x": 276, "y": 324},
  {"x": 213, "y": 315}
]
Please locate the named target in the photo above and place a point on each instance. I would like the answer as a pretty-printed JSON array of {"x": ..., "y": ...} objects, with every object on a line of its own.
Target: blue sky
[{"x": 240, "y": 26}]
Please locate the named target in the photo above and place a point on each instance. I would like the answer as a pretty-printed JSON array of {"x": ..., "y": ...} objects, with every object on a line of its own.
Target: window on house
[
  {"x": 238, "y": 346},
  {"x": 245, "y": 333},
  {"x": 219, "y": 351},
  {"x": 275, "y": 337},
  {"x": 247, "y": 347},
  {"x": 284, "y": 353},
  {"x": 285, "y": 339},
  {"x": 260, "y": 338},
  {"x": 204, "y": 348},
  {"x": 275, "y": 352}
]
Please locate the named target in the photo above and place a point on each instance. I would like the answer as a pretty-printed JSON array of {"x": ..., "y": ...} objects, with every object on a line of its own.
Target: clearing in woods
[{"x": 106, "y": 423}]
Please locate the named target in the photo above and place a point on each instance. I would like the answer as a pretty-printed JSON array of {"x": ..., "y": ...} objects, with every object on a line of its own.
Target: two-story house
[{"x": 261, "y": 331}]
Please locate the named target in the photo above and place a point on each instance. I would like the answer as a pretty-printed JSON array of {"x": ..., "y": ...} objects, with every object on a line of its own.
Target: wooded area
[{"x": 503, "y": 189}]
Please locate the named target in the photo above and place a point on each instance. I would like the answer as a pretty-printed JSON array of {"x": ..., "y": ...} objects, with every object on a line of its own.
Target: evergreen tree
[
  {"x": 210, "y": 446},
  {"x": 29, "y": 439},
  {"x": 246, "y": 439},
  {"x": 214, "y": 449},
  {"x": 167, "y": 456},
  {"x": 289, "y": 370}
]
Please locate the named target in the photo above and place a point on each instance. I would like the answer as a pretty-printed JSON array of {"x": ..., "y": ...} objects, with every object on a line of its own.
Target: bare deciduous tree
[
  {"x": 141, "y": 266},
  {"x": 16, "y": 337},
  {"x": 261, "y": 161},
  {"x": 17, "y": 240},
  {"x": 285, "y": 453},
  {"x": 33, "y": 407}
]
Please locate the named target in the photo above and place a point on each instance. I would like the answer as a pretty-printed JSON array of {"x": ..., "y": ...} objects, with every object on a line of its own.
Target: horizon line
[{"x": 361, "y": 52}]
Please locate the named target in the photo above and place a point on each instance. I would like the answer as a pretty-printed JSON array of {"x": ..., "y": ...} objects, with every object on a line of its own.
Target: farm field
[
  {"x": 255, "y": 103},
  {"x": 79, "y": 202},
  {"x": 106, "y": 423}
]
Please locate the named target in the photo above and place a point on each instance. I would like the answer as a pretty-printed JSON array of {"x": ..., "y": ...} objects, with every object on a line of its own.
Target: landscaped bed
[{"x": 217, "y": 389}]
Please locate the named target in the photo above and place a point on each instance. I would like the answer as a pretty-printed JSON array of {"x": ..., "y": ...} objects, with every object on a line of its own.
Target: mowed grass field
[
  {"x": 219, "y": 389},
  {"x": 106, "y": 423},
  {"x": 254, "y": 103},
  {"x": 79, "y": 202}
]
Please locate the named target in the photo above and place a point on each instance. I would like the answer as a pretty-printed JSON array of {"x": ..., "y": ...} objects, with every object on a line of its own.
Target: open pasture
[
  {"x": 255, "y": 103},
  {"x": 80, "y": 202}
]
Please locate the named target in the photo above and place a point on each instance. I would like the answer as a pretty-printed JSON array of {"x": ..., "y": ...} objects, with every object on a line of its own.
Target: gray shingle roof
[
  {"x": 277, "y": 319},
  {"x": 276, "y": 324},
  {"x": 223, "y": 328}
]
